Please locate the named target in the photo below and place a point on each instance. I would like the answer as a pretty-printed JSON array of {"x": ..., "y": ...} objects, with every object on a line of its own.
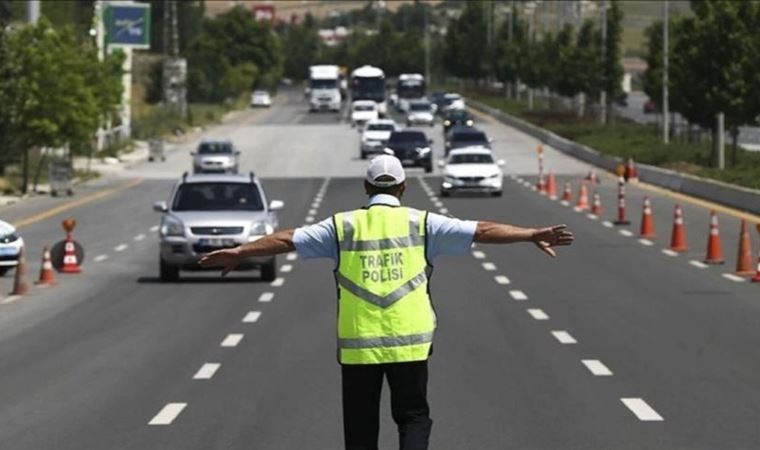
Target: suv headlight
[
  {"x": 172, "y": 227},
  {"x": 260, "y": 229},
  {"x": 469, "y": 122},
  {"x": 423, "y": 150}
]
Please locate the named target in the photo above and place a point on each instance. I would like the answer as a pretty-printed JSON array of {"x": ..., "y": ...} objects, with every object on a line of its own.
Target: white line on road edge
[
  {"x": 120, "y": 248},
  {"x": 501, "y": 279},
  {"x": 669, "y": 252},
  {"x": 252, "y": 317},
  {"x": 597, "y": 368},
  {"x": 646, "y": 242},
  {"x": 478, "y": 254},
  {"x": 100, "y": 258},
  {"x": 538, "y": 314},
  {"x": 10, "y": 299},
  {"x": 489, "y": 266},
  {"x": 734, "y": 278},
  {"x": 292, "y": 256},
  {"x": 698, "y": 264},
  {"x": 443, "y": 211},
  {"x": 167, "y": 414},
  {"x": 627, "y": 233},
  {"x": 279, "y": 281},
  {"x": 206, "y": 371},
  {"x": 643, "y": 411},
  {"x": 286, "y": 268},
  {"x": 266, "y": 297},
  {"x": 139, "y": 237},
  {"x": 518, "y": 295},
  {"x": 154, "y": 228},
  {"x": 608, "y": 224},
  {"x": 232, "y": 340},
  {"x": 564, "y": 337}
]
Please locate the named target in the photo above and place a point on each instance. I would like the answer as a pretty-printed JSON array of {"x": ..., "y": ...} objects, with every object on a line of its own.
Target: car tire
[
  {"x": 428, "y": 168},
  {"x": 269, "y": 270},
  {"x": 496, "y": 194},
  {"x": 167, "y": 272},
  {"x": 445, "y": 193}
]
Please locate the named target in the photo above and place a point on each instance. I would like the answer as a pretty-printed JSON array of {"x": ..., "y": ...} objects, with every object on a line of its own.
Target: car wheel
[
  {"x": 269, "y": 270},
  {"x": 167, "y": 272},
  {"x": 445, "y": 193},
  {"x": 428, "y": 168},
  {"x": 496, "y": 194}
]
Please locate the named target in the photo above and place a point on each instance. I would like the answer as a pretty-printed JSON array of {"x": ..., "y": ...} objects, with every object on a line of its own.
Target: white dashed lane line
[
  {"x": 10, "y": 299},
  {"x": 478, "y": 254},
  {"x": 538, "y": 314},
  {"x": 646, "y": 242},
  {"x": 438, "y": 204},
  {"x": 286, "y": 268},
  {"x": 309, "y": 219},
  {"x": 669, "y": 252},
  {"x": 597, "y": 368},
  {"x": 279, "y": 281},
  {"x": 252, "y": 317},
  {"x": 489, "y": 266},
  {"x": 232, "y": 340},
  {"x": 734, "y": 278},
  {"x": 167, "y": 414},
  {"x": 627, "y": 233},
  {"x": 501, "y": 279},
  {"x": 100, "y": 258},
  {"x": 120, "y": 247},
  {"x": 154, "y": 228},
  {"x": 292, "y": 256},
  {"x": 563, "y": 337},
  {"x": 139, "y": 237},
  {"x": 642, "y": 410},
  {"x": 607, "y": 224},
  {"x": 698, "y": 264},
  {"x": 592, "y": 216},
  {"x": 266, "y": 297},
  {"x": 518, "y": 295},
  {"x": 312, "y": 212},
  {"x": 443, "y": 211},
  {"x": 207, "y": 371}
]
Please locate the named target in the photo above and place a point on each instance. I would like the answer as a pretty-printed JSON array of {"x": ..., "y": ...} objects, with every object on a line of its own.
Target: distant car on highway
[
  {"x": 261, "y": 98},
  {"x": 362, "y": 111},
  {"x": 650, "y": 107},
  {"x": 412, "y": 147},
  {"x": 11, "y": 244},
  {"x": 464, "y": 136},
  {"x": 210, "y": 212},
  {"x": 420, "y": 113},
  {"x": 436, "y": 98},
  {"x": 375, "y": 135},
  {"x": 471, "y": 169},
  {"x": 215, "y": 156},
  {"x": 456, "y": 117},
  {"x": 453, "y": 101}
]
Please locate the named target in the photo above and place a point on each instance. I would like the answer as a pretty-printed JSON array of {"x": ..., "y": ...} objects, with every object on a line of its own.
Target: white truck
[{"x": 324, "y": 88}]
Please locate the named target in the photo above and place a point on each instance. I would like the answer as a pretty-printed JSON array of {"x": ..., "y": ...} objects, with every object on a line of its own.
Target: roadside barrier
[
  {"x": 582, "y": 203},
  {"x": 47, "y": 274},
  {"x": 621, "y": 219},
  {"x": 678, "y": 238},
  {"x": 756, "y": 278},
  {"x": 744, "y": 256},
  {"x": 567, "y": 193},
  {"x": 596, "y": 205},
  {"x": 551, "y": 186},
  {"x": 647, "y": 221},
  {"x": 714, "y": 247},
  {"x": 19, "y": 280}
]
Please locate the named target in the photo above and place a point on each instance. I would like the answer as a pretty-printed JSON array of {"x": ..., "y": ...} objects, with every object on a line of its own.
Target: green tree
[
  {"x": 587, "y": 63},
  {"x": 466, "y": 43},
  {"x": 301, "y": 48},
  {"x": 652, "y": 79},
  {"x": 612, "y": 69}
]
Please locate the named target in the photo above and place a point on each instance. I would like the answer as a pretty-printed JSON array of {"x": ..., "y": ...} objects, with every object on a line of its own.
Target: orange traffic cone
[
  {"x": 592, "y": 177},
  {"x": 551, "y": 186},
  {"x": 631, "y": 174},
  {"x": 582, "y": 203},
  {"x": 567, "y": 193},
  {"x": 756, "y": 278},
  {"x": 744, "y": 258},
  {"x": 621, "y": 219},
  {"x": 47, "y": 275},
  {"x": 647, "y": 221},
  {"x": 714, "y": 247},
  {"x": 596, "y": 205},
  {"x": 541, "y": 183},
  {"x": 678, "y": 238},
  {"x": 70, "y": 260},
  {"x": 19, "y": 280}
]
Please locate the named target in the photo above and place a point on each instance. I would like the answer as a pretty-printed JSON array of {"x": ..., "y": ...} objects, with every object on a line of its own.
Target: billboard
[{"x": 127, "y": 25}]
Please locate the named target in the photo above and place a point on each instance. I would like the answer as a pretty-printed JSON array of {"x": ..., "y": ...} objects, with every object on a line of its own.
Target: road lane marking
[
  {"x": 292, "y": 256},
  {"x": 627, "y": 233},
  {"x": 313, "y": 212},
  {"x": 266, "y": 297},
  {"x": 489, "y": 266},
  {"x": 734, "y": 278},
  {"x": 154, "y": 228},
  {"x": 167, "y": 414},
  {"x": 501, "y": 279},
  {"x": 232, "y": 340},
  {"x": 592, "y": 216},
  {"x": 286, "y": 268},
  {"x": 564, "y": 337},
  {"x": 309, "y": 219},
  {"x": 518, "y": 295},
  {"x": 564, "y": 203},
  {"x": 646, "y": 242},
  {"x": 669, "y": 252},
  {"x": 698, "y": 264},
  {"x": 100, "y": 258},
  {"x": 277, "y": 282},
  {"x": 120, "y": 248},
  {"x": 207, "y": 371},
  {"x": 315, "y": 205},
  {"x": 642, "y": 410},
  {"x": 597, "y": 368},
  {"x": 478, "y": 254},
  {"x": 443, "y": 211},
  {"x": 433, "y": 198},
  {"x": 139, "y": 237},
  {"x": 538, "y": 314},
  {"x": 10, "y": 299},
  {"x": 438, "y": 204},
  {"x": 252, "y": 317},
  {"x": 607, "y": 224}
]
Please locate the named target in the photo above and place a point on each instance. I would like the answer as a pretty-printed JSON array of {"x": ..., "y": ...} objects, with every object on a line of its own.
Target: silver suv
[
  {"x": 215, "y": 156},
  {"x": 209, "y": 212}
]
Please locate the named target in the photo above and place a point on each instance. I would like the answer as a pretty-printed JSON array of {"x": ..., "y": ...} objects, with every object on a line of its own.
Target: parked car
[
  {"x": 375, "y": 135},
  {"x": 471, "y": 169},
  {"x": 11, "y": 244},
  {"x": 412, "y": 147},
  {"x": 210, "y": 212},
  {"x": 420, "y": 113},
  {"x": 464, "y": 136},
  {"x": 362, "y": 111},
  {"x": 456, "y": 117},
  {"x": 261, "y": 98},
  {"x": 215, "y": 156}
]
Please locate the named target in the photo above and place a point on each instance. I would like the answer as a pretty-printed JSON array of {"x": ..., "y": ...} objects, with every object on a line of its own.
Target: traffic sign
[{"x": 127, "y": 25}]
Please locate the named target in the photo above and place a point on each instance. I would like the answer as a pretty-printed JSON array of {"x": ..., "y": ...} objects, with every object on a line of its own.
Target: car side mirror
[
  {"x": 441, "y": 163},
  {"x": 501, "y": 163},
  {"x": 276, "y": 205},
  {"x": 160, "y": 207}
]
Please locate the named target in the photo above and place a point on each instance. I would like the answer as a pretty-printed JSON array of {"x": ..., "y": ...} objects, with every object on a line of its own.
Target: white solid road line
[
  {"x": 139, "y": 237},
  {"x": 292, "y": 256},
  {"x": 489, "y": 266},
  {"x": 501, "y": 279},
  {"x": 10, "y": 299},
  {"x": 734, "y": 278},
  {"x": 154, "y": 228},
  {"x": 643, "y": 411},
  {"x": 279, "y": 281},
  {"x": 252, "y": 317},
  {"x": 478, "y": 254},
  {"x": 100, "y": 258},
  {"x": 608, "y": 224},
  {"x": 232, "y": 340},
  {"x": 167, "y": 414},
  {"x": 627, "y": 233},
  {"x": 564, "y": 337},
  {"x": 286, "y": 268},
  {"x": 120, "y": 248},
  {"x": 207, "y": 371},
  {"x": 518, "y": 295},
  {"x": 538, "y": 314},
  {"x": 669, "y": 252},
  {"x": 698, "y": 264},
  {"x": 646, "y": 242},
  {"x": 597, "y": 368},
  {"x": 266, "y": 297}
]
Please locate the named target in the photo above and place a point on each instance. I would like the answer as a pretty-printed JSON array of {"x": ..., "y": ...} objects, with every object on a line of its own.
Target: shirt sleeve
[
  {"x": 448, "y": 235},
  {"x": 316, "y": 241}
]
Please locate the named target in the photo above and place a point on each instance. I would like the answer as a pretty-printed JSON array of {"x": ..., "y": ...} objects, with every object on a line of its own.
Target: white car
[
  {"x": 261, "y": 98},
  {"x": 362, "y": 111},
  {"x": 420, "y": 113},
  {"x": 453, "y": 101},
  {"x": 10, "y": 247},
  {"x": 471, "y": 169},
  {"x": 375, "y": 135}
]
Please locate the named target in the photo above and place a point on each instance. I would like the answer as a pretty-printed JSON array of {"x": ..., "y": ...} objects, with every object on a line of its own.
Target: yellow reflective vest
[{"x": 384, "y": 310}]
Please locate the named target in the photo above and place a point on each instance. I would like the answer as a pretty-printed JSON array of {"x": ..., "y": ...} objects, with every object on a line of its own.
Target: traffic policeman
[{"x": 386, "y": 322}]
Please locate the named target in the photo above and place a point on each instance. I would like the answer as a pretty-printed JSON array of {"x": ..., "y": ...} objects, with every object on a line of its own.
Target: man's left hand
[{"x": 546, "y": 238}]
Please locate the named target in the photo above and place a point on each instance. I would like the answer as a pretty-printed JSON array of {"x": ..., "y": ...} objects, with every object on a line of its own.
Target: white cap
[{"x": 387, "y": 167}]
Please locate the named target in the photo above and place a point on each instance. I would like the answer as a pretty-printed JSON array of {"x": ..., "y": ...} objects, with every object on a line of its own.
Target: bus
[
  {"x": 368, "y": 83},
  {"x": 410, "y": 86}
]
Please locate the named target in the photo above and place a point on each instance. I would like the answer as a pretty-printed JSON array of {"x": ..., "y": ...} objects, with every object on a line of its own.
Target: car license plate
[
  {"x": 407, "y": 161},
  {"x": 8, "y": 251},
  {"x": 217, "y": 242}
]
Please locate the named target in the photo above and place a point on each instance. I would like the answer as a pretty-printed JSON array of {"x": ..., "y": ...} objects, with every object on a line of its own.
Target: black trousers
[{"x": 362, "y": 385}]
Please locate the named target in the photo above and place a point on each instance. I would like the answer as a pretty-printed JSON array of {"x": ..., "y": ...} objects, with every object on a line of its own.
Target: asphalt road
[{"x": 613, "y": 345}]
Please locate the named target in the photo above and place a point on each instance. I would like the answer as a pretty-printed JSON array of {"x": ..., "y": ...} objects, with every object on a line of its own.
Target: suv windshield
[
  {"x": 363, "y": 108},
  {"x": 215, "y": 148},
  {"x": 380, "y": 127},
  {"x": 218, "y": 197},
  {"x": 471, "y": 158},
  {"x": 469, "y": 137},
  {"x": 420, "y": 107},
  {"x": 407, "y": 136},
  {"x": 457, "y": 114}
]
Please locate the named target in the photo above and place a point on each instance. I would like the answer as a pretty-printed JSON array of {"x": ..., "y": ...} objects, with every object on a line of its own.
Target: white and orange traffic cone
[
  {"x": 70, "y": 260},
  {"x": 678, "y": 238},
  {"x": 631, "y": 173},
  {"x": 582, "y": 203},
  {"x": 19, "y": 280},
  {"x": 551, "y": 186},
  {"x": 621, "y": 218},
  {"x": 647, "y": 221},
  {"x": 47, "y": 274},
  {"x": 596, "y": 205},
  {"x": 744, "y": 257},
  {"x": 714, "y": 247},
  {"x": 567, "y": 193},
  {"x": 541, "y": 183},
  {"x": 592, "y": 177}
]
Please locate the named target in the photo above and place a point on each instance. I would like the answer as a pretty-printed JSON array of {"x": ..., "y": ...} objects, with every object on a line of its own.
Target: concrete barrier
[{"x": 738, "y": 197}]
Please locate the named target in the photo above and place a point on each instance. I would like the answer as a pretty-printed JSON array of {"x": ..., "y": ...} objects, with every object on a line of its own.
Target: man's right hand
[{"x": 226, "y": 258}]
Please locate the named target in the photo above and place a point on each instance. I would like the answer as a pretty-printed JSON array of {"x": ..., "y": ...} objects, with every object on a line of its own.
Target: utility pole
[
  {"x": 174, "y": 68},
  {"x": 665, "y": 91},
  {"x": 603, "y": 95},
  {"x": 33, "y": 11},
  {"x": 719, "y": 141},
  {"x": 427, "y": 45}
]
